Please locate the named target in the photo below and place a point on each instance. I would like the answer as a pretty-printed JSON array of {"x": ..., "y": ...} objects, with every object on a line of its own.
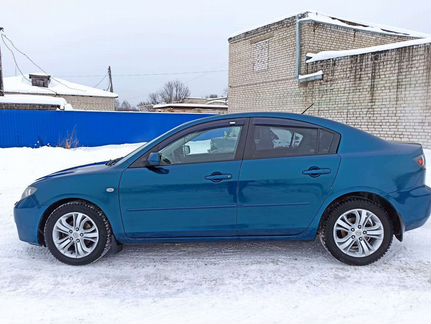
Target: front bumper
[
  {"x": 414, "y": 206},
  {"x": 27, "y": 214}
]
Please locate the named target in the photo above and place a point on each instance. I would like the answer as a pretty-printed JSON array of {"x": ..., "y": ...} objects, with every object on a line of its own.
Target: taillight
[{"x": 421, "y": 161}]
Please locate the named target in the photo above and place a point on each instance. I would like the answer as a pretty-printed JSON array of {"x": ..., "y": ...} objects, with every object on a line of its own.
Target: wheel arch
[
  {"x": 53, "y": 206},
  {"x": 393, "y": 214}
]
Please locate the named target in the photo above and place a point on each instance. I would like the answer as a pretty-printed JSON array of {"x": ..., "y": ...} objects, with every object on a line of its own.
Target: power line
[
  {"x": 13, "y": 57},
  {"x": 144, "y": 74},
  {"x": 98, "y": 83},
  {"x": 200, "y": 74},
  {"x": 195, "y": 78},
  {"x": 22, "y": 53},
  {"x": 3, "y": 36},
  {"x": 30, "y": 59}
]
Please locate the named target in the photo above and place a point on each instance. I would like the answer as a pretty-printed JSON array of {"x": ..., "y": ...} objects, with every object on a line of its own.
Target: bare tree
[
  {"x": 174, "y": 91},
  {"x": 153, "y": 98},
  {"x": 126, "y": 106},
  {"x": 145, "y": 106}
]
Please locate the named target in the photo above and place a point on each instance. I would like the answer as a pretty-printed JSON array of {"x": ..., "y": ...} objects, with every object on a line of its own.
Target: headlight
[{"x": 28, "y": 192}]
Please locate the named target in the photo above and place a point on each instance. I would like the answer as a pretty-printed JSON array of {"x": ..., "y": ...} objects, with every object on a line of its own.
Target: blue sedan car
[{"x": 270, "y": 176}]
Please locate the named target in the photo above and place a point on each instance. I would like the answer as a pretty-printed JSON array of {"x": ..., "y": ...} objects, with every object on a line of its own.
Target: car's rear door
[
  {"x": 288, "y": 170},
  {"x": 194, "y": 191}
]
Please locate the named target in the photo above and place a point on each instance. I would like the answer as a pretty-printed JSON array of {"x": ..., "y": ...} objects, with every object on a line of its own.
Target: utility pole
[
  {"x": 1, "y": 72},
  {"x": 111, "y": 86}
]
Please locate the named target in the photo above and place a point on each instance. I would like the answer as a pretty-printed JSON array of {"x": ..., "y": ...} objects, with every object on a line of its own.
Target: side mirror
[
  {"x": 154, "y": 159},
  {"x": 186, "y": 149}
]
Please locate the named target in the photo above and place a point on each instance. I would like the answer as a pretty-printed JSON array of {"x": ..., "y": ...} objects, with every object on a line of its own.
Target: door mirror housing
[
  {"x": 186, "y": 149},
  {"x": 154, "y": 159}
]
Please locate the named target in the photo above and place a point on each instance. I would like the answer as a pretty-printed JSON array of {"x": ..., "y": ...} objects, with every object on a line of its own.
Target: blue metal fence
[{"x": 33, "y": 128}]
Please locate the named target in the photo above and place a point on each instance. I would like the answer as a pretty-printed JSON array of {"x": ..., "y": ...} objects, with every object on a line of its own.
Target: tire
[
  {"x": 342, "y": 228},
  {"x": 81, "y": 229}
]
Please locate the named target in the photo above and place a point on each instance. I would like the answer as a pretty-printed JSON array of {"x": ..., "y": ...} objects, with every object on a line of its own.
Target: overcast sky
[{"x": 78, "y": 39}]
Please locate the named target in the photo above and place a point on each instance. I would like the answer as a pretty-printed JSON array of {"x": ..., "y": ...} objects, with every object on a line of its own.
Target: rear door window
[
  {"x": 279, "y": 141},
  {"x": 272, "y": 138}
]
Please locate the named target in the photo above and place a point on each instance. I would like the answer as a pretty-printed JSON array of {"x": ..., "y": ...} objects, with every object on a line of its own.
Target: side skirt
[{"x": 301, "y": 237}]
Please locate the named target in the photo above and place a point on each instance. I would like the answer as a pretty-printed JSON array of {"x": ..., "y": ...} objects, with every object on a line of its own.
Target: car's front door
[
  {"x": 288, "y": 170},
  {"x": 194, "y": 190}
]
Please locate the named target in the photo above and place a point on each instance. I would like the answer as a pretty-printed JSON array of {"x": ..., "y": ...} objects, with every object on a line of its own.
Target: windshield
[{"x": 124, "y": 158}]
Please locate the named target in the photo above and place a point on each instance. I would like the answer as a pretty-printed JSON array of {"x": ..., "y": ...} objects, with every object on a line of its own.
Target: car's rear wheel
[
  {"x": 357, "y": 231},
  {"x": 77, "y": 233}
]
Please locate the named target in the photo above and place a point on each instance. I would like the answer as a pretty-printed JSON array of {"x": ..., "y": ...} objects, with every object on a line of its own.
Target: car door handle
[
  {"x": 316, "y": 171},
  {"x": 218, "y": 177}
]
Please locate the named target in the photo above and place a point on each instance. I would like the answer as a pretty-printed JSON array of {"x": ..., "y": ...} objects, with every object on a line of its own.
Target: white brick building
[
  {"x": 385, "y": 90},
  {"x": 78, "y": 96}
]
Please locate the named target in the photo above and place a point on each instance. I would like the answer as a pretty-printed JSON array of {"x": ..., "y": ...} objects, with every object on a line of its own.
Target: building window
[{"x": 261, "y": 55}]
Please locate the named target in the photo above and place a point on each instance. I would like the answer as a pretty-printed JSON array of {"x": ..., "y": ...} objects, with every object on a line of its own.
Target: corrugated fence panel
[{"x": 38, "y": 128}]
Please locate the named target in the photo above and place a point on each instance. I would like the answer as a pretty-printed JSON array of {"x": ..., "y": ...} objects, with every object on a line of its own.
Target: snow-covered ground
[{"x": 264, "y": 282}]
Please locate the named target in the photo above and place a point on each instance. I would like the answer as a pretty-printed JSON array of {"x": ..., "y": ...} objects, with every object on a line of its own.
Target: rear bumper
[{"x": 413, "y": 206}]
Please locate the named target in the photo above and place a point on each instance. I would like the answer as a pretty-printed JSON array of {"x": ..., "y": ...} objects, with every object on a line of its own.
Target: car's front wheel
[
  {"x": 77, "y": 233},
  {"x": 358, "y": 231}
]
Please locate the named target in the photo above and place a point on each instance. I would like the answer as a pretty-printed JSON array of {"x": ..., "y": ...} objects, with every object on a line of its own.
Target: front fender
[
  {"x": 91, "y": 187},
  {"x": 109, "y": 207}
]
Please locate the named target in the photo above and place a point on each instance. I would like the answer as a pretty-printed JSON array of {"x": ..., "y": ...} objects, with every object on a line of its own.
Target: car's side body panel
[
  {"x": 179, "y": 201},
  {"x": 275, "y": 187},
  {"x": 277, "y": 198},
  {"x": 187, "y": 199}
]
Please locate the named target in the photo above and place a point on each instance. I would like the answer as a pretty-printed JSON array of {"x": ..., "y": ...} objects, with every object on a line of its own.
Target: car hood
[{"x": 81, "y": 169}]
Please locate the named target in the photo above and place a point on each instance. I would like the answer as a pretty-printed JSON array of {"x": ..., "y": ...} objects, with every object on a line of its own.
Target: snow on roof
[
  {"x": 318, "y": 17},
  {"x": 315, "y": 16},
  {"x": 30, "y": 99},
  {"x": 326, "y": 55},
  {"x": 189, "y": 105},
  {"x": 20, "y": 84},
  {"x": 221, "y": 101}
]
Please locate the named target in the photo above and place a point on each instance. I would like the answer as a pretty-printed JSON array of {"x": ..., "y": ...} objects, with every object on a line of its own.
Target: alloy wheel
[
  {"x": 358, "y": 233},
  {"x": 75, "y": 235}
]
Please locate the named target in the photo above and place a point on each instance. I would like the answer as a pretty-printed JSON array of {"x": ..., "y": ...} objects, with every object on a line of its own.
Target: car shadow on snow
[
  {"x": 202, "y": 250},
  {"x": 249, "y": 252}
]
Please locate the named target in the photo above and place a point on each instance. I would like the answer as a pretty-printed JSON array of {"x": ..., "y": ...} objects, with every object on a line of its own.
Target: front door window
[{"x": 211, "y": 145}]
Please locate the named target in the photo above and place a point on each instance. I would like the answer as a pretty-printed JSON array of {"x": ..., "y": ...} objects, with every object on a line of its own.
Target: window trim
[
  {"x": 243, "y": 122},
  {"x": 278, "y": 122}
]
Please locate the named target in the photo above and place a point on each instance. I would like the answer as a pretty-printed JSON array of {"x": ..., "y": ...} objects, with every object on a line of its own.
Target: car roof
[
  {"x": 322, "y": 122},
  {"x": 281, "y": 115}
]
